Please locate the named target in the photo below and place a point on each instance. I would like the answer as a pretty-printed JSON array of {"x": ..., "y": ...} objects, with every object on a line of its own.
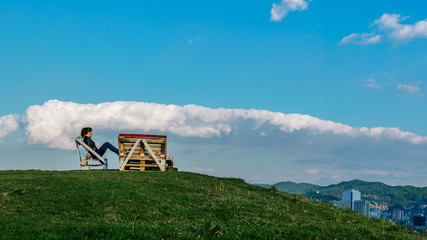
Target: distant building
[
  {"x": 419, "y": 222},
  {"x": 342, "y": 204},
  {"x": 351, "y": 199},
  {"x": 351, "y": 195},
  {"x": 376, "y": 213},
  {"x": 362, "y": 207},
  {"x": 397, "y": 215}
]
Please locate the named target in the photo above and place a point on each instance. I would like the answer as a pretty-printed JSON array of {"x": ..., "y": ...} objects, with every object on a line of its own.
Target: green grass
[{"x": 171, "y": 205}]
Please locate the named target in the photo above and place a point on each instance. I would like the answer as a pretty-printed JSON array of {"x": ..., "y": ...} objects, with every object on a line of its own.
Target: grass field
[{"x": 171, "y": 205}]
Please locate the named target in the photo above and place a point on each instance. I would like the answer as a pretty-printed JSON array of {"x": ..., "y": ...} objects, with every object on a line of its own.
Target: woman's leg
[{"x": 106, "y": 146}]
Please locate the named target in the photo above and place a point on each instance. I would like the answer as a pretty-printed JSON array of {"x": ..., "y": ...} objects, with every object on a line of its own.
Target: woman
[{"x": 86, "y": 134}]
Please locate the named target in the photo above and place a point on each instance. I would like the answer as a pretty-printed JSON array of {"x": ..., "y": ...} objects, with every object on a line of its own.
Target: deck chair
[{"x": 86, "y": 162}]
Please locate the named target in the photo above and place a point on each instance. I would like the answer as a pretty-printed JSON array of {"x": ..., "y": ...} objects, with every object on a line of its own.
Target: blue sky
[{"x": 231, "y": 55}]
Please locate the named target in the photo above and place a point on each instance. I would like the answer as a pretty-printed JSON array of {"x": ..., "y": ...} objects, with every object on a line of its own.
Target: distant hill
[
  {"x": 371, "y": 191},
  {"x": 263, "y": 185},
  {"x": 171, "y": 205},
  {"x": 298, "y": 188}
]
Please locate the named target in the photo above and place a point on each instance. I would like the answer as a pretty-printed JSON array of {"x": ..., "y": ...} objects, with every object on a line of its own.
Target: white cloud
[
  {"x": 373, "y": 39},
  {"x": 312, "y": 171},
  {"x": 280, "y": 10},
  {"x": 393, "y": 177},
  {"x": 374, "y": 172},
  {"x": 197, "y": 169},
  {"x": 391, "y": 133},
  {"x": 373, "y": 85},
  {"x": 8, "y": 124},
  {"x": 388, "y": 21},
  {"x": 194, "y": 40},
  {"x": 370, "y": 80},
  {"x": 408, "y": 88},
  {"x": 350, "y": 172},
  {"x": 362, "y": 39},
  {"x": 56, "y": 123},
  {"x": 389, "y": 25}
]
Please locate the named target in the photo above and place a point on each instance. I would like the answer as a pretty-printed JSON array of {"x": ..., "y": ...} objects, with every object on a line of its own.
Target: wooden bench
[
  {"x": 88, "y": 161},
  {"x": 144, "y": 152}
]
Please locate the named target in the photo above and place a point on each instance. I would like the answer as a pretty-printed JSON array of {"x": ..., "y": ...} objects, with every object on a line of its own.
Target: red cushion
[{"x": 142, "y": 135}]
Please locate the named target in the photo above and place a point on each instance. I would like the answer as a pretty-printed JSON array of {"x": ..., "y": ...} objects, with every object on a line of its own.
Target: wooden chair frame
[{"x": 85, "y": 162}]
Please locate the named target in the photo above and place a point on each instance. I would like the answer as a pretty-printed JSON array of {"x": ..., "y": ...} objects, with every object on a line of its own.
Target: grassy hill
[
  {"x": 172, "y": 205},
  {"x": 376, "y": 191}
]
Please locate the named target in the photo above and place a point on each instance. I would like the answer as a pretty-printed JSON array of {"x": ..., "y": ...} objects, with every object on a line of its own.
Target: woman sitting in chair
[{"x": 87, "y": 134}]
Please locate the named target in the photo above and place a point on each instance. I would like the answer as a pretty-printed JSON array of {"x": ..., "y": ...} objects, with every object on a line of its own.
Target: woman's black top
[{"x": 90, "y": 143}]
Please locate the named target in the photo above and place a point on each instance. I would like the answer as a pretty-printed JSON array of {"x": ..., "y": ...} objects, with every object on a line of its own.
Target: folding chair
[{"x": 100, "y": 161}]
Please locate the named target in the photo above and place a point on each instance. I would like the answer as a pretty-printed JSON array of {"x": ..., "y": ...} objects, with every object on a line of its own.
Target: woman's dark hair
[{"x": 85, "y": 131}]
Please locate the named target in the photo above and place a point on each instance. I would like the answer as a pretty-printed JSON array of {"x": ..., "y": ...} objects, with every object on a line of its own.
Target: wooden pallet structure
[{"x": 144, "y": 152}]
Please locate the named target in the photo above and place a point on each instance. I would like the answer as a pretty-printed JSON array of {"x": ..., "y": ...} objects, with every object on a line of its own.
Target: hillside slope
[{"x": 171, "y": 205}]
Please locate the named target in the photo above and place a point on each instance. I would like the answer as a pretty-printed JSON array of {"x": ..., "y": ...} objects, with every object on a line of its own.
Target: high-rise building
[
  {"x": 397, "y": 214},
  {"x": 351, "y": 195},
  {"x": 419, "y": 222},
  {"x": 376, "y": 213},
  {"x": 342, "y": 204},
  {"x": 362, "y": 207},
  {"x": 351, "y": 199}
]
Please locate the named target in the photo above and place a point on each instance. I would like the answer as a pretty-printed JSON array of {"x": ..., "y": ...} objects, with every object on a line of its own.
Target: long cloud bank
[{"x": 55, "y": 124}]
